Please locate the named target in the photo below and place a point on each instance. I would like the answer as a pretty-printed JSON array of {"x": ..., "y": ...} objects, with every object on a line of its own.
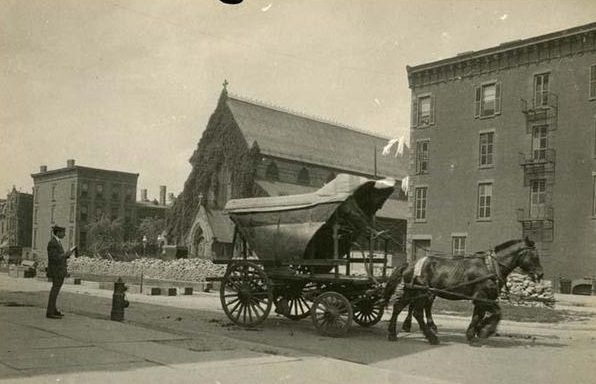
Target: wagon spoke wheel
[
  {"x": 295, "y": 300},
  {"x": 245, "y": 294},
  {"x": 367, "y": 311},
  {"x": 331, "y": 314}
]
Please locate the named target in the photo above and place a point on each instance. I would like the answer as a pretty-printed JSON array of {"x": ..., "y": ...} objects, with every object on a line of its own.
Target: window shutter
[
  {"x": 414, "y": 111},
  {"x": 432, "y": 109},
  {"x": 478, "y": 94},
  {"x": 497, "y": 98}
]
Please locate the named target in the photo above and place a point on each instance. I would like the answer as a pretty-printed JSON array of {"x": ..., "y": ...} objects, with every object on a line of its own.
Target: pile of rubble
[
  {"x": 522, "y": 290},
  {"x": 181, "y": 269}
]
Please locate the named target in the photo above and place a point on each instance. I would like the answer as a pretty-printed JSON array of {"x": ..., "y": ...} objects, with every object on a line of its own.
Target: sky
[{"x": 130, "y": 84}]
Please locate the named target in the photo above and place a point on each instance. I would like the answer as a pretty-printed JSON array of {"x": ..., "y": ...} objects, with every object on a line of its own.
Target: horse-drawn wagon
[{"x": 295, "y": 253}]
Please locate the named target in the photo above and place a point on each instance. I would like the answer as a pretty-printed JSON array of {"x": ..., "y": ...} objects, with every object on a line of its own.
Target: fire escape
[{"x": 537, "y": 219}]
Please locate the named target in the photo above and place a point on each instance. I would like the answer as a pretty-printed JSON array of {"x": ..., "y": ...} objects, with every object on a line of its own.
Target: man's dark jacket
[{"x": 56, "y": 259}]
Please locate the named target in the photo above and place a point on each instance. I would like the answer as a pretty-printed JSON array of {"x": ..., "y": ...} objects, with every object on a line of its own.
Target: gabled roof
[{"x": 293, "y": 136}]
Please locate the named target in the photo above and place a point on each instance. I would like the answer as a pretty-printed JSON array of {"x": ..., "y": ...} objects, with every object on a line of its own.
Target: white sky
[{"x": 130, "y": 84}]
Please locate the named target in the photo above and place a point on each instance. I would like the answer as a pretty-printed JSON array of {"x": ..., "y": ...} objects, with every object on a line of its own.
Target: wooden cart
[{"x": 294, "y": 253}]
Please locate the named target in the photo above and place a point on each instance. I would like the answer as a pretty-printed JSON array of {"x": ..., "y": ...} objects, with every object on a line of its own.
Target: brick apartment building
[
  {"x": 505, "y": 146},
  {"x": 74, "y": 196},
  {"x": 251, "y": 149},
  {"x": 15, "y": 224}
]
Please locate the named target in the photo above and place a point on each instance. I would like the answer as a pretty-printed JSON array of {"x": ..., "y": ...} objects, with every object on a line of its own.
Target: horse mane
[{"x": 506, "y": 244}]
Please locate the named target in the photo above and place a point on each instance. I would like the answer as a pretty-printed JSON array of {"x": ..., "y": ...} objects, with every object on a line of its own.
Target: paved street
[{"x": 189, "y": 339}]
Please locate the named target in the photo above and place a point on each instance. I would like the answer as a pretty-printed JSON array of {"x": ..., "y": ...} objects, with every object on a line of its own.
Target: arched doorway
[{"x": 198, "y": 243}]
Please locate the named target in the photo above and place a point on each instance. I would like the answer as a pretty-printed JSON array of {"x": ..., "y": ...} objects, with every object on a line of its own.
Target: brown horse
[{"x": 477, "y": 278}]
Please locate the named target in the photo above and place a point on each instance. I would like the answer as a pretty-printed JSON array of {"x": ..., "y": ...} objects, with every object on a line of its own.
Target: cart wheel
[
  {"x": 331, "y": 314},
  {"x": 296, "y": 300},
  {"x": 245, "y": 294},
  {"x": 367, "y": 311}
]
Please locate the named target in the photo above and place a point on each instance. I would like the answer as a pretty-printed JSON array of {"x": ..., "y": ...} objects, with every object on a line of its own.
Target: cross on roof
[{"x": 225, "y": 84}]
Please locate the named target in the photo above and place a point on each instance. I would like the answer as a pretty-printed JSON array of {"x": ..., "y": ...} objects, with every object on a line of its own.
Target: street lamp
[
  {"x": 142, "y": 264},
  {"x": 144, "y": 245}
]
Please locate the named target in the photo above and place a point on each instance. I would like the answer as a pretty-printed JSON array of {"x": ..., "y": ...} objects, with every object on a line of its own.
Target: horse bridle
[{"x": 497, "y": 264}]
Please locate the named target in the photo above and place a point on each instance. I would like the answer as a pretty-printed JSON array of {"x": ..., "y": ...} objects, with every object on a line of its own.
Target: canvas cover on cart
[{"x": 298, "y": 227}]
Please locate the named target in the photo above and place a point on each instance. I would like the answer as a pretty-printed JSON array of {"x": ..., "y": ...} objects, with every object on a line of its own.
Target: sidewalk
[{"x": 79, "y": 349}]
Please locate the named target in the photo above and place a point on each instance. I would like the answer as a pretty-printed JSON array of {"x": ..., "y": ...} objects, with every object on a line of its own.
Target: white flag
[
  {"x": 387, "y": 148},
  {"x": 400, "y": 146}
]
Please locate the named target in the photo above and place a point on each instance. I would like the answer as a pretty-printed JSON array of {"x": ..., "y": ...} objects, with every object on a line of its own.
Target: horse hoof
[
  {"x": 392, "y": 337},
  {"x": 434, "y": 328}
]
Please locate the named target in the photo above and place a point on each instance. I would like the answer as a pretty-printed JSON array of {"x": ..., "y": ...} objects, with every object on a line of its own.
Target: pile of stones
[
  {"x": 520, "y": 289},
  {"x": 180, "y": 269}
]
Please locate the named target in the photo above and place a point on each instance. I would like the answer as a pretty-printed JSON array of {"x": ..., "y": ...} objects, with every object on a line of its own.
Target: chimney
[
  {"x": 162, "y": 195},
  {"x": 144, "y": 194},
  {"x": 43, "y": 169},
  {"x": 70, "y": 163}
]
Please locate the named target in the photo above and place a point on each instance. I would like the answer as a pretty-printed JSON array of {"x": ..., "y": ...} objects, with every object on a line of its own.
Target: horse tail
[{"x": 393, "y": 282}]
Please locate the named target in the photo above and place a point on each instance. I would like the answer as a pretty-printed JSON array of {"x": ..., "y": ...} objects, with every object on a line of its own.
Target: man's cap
[{"x": 58, "y": 228}]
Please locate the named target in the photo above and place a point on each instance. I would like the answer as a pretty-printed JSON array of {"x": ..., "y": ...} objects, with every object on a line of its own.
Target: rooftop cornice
[
  {"x": 77, "y": 168},
  {"x": 504, "y": 56}
]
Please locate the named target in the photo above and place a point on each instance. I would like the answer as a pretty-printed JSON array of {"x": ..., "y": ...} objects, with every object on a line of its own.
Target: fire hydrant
[{"x": 119, "y": 301}]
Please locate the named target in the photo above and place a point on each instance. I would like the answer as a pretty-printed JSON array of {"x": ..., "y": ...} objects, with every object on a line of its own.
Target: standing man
[{"x": 56, "y": 268}]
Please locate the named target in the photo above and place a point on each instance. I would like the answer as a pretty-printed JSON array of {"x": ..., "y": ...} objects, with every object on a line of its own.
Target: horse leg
[
  {"x": 407, "y": 324},
  {"x": 491, "y": 322},
  {"x": 471, "y": 331},
  {"x": 399, "y": 305},
  {"x": 428, "y": 333},
  {"x": 429, "y": 317}
]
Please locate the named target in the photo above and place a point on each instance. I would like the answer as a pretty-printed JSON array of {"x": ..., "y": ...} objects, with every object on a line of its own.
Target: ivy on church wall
[{"x": 222, "y": 144}]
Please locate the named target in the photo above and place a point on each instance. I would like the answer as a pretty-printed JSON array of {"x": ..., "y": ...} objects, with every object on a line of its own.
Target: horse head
[{"x": 529, "y": 260}]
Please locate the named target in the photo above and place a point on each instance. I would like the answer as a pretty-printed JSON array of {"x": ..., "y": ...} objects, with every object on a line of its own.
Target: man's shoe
[{"x": 53, "y": 316}]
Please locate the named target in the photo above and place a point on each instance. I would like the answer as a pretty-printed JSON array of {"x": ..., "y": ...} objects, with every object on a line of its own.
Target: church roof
[{"x": 293, "y": 136}]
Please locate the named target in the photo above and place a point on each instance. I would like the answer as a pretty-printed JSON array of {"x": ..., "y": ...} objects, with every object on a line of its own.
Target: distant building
[
  {"x": 251, "y": 149},
  {"x": 75, "y": 196},
  {"x": 504, "y": 143},
  {"x": 155, "y": 209},
  {"x": 15, "y": 223}
]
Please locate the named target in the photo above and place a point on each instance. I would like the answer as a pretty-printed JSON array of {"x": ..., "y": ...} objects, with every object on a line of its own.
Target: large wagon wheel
[
  {"x": 331, "y": 314},
  {"x": 367, "y": 311},
  {"x": 245, "y": 294}
]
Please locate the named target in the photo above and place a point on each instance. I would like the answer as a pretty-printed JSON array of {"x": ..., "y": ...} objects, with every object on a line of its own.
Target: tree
[
  {"x": 151, "y": 228},
  {"x": 105, "y": 235}
]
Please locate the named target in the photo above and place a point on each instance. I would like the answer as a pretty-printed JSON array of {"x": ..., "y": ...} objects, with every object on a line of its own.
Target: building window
[
  {"x": 52, "y": 211},
  {"x": 36, "y": 193},
  {"x": 115, "y": 192},
  {"x": 83, "y": 213},
  {"x": 423, "y": 111},
  {"x": 486, "y": 149},
  {"x": 593, "y": 81},
  {"x": 420, "y": 203},
  {"x": 303, "y": 177},
  {"x": 84, "y": 189},
  {"x": 99, "y": 191},
  {"x": 35, "y": 238},
  {"x": 272, "y": 173},
  {"x": 83, "y": 240},
  {"x": 71, "y": 214},
  {"x": 114, "y": 212},
  {"x": 70, "y": 237},
  {"x": 73, "y": 190},
  {"x": 129, "y": 194},
  {"x": 485, "y": 192},
  {"x": 53, "y": 192},
  {"x": 537, "y": 198},
  {"x": 541, "y": 85},
  {"x": 488, "y": 100},
  {"x": 458, "y": 245},
  {"x": 539, "y": 142},
  {"x": 422, "y": 151},
  {"x": 35, "y": 215}
]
